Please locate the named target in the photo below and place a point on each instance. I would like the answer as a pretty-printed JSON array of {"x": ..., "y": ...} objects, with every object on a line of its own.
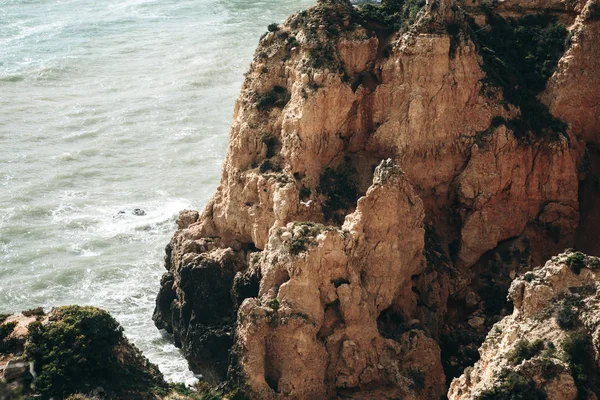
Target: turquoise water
[{"x": 108, "y": 106}]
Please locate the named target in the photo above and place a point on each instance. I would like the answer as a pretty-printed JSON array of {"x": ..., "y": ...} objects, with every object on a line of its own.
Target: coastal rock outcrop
[
  {"x": 314, "y": 251},
  {"x": 548, "y": 347},
  {"x": 72, "y": 350},
  {"x": 322, "y": 296}
]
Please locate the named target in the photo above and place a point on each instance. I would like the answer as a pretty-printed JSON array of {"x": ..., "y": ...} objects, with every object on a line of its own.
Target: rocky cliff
[
  {"x": 390, "y": 170},
  {"x": 548, "y": 347}
]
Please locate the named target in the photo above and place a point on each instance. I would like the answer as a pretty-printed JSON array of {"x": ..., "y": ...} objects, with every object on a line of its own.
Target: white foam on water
[{"x": 113, "y": 106}]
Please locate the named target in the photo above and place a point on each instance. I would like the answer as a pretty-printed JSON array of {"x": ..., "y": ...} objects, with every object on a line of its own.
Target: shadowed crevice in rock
[
  {"x": 391, "y": 325},
  {"x": 589, "y": 198},
  {"x": 475, "y": 308},
  {"x": 534, "y": 351}
]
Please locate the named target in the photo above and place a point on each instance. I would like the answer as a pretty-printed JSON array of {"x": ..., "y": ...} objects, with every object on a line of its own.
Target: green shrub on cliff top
[
  {"x": 83, "y": 348},
  {"x": 512, "y": 386},
  {"x": 391, "y": 15},
  {"x": 524, "y": 350},
  {"x": 6, "y": 329},
  {"x": 519, "y": 55},
  {"x": 9, "y": 343},
  {"x": 576, "y": 261}
]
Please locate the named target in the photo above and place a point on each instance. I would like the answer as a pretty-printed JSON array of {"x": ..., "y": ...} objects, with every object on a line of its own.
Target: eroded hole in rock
[
  {"x": 245, "y": 285},
  {"x": 333, "y": 319},
  {"x": 459, "y": 350},
  {"x": 366, "y": 79},
  {"x": 272, "y": 144},
  {"x": 278, "y": 96},
  {"x": 282, "y": 276},
  {"x": 339, "y": 282},
  {"x": 273, "y": 161},
  {"x": 341, "y": 185},
  {"x": 249, "y": 248},
  {"x": 392, "y": 325},
  {"x": 272, "y": 373}
]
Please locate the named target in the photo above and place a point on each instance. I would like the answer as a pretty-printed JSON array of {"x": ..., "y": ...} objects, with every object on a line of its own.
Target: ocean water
[{"x": 105, "y": 107}]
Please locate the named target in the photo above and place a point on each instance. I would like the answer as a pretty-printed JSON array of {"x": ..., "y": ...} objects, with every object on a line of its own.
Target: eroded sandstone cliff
[
  {"x": 548, "y": 347},
  {"x": 318, "y": 270}
]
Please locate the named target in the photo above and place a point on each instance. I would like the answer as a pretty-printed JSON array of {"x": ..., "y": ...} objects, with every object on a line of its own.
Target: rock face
[
  {"x": 322, "y": 292},
  {"x": 306, "y": 276},
  {"x": 548, "y": 347}
]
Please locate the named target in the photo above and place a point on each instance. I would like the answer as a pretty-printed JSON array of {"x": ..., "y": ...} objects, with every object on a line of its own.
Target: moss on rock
[{"x": 83, "y": 350}]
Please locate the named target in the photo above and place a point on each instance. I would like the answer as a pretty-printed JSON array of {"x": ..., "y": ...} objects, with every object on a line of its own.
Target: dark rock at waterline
[
  {"x": 138, "y": 212},
  {"x": 198, "y": 309}
]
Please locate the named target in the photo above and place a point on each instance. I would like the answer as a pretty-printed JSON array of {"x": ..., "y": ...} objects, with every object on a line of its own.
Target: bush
[
  {"x": 576, "y": 262},
  {"x": 6, "y": 329},
  {"x": 579, "y": 354},
  {"x": 237, "y": 394},
  {"x": 519, "y": 55},
  {"x": 274, "y": 304},
  {"x": 392, "y": 15},
  {"x": 79, "y": 350},
  {"x": 513, "y": 386},
  {"x": 567, "y": 315},
  {"x": 34, "y": 312},
  {"x": 305, "y": 236},
  {"x": 273, "y": 27},
  {"x": 276, "y": 97},
  {"x": 524, "y": 350},
  {"x": 10, "y": 344}
]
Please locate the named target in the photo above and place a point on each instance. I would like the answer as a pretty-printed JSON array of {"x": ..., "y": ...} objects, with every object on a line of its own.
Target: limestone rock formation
[
  {"x": 321, "y": 294},
  {"x": 548, "y": 347},
  {"x": 303, "y": 257}
]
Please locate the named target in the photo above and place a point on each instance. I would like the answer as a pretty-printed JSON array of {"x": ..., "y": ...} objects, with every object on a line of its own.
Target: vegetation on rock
[
  {"x": 519, "y": 55},
  {"x": 8, "y": 342},
  {"x": 82, "y": 349},
  {"x": 567, "y": 315},
  {"x": 579, "y": 354},
  {"x": 391, "y": 15},
  {"x": 524, "y": 350},
  {"x": 277, "y": 97},
  {"x": 513, "y": 386},
  {"x": 304, "y": 235},
  {"x": 34, "y": 312},
  {"x": 576, "y": 261}
]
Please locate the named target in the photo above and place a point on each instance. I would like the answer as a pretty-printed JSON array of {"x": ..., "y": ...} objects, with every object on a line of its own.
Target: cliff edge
[{"x": 390, "y": 170}]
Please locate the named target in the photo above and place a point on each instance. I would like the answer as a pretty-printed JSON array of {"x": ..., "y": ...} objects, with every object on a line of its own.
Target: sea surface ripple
[{"x": 107, "y": 107}]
